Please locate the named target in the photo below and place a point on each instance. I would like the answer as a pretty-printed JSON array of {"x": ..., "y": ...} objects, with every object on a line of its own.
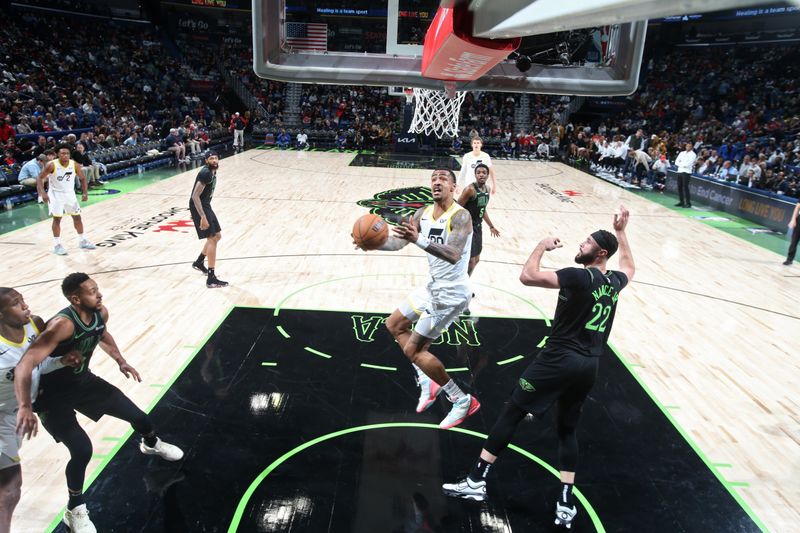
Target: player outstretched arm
[
  {"x": 625, "y": 256},
  {"x": 57, "y": 330},
  {"x": 531, "y": 275},
  {"x": 460, "y": 229},
  {"x": 109, "y": 345}
]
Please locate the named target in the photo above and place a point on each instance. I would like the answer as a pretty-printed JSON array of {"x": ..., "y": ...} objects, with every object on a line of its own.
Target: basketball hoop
[
  {"x": 451, "y": 54},
  {"x": 437, "y": 112},
  {"x": 409, "y": 95}
]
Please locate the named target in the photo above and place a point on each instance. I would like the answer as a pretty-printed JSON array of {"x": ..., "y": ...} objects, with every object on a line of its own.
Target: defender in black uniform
[
  {"x": 79, "y": 327},
  {"x": 565, "y": 370},
  {"x": 474, "y": 198},
  {"x": 205, "y": 221}
]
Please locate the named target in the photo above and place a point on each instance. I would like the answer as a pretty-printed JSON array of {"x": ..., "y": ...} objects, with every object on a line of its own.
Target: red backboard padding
[{"x": 453, "y": 54}]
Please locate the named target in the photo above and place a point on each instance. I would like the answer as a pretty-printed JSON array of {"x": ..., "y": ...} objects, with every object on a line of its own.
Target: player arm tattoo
[
  {"x": 394, "y": 242},
  {"x": 460, "y": 230},
  {"x": 199, "y": 187}
]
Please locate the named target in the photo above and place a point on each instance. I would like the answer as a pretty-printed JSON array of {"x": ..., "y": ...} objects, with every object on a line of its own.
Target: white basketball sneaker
[
  {"x": 429, "y": 390},
  {"x": 466, "y": 489},
  {"x": 166, "y": 451},
  {"x": 460, "y": 411},
  {"x": 565, "y": 515},
  {"x": 77, "y": 520}
]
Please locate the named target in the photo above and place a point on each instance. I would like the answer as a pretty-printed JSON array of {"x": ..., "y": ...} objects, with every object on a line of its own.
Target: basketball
[{"x": 370, "y": 232}]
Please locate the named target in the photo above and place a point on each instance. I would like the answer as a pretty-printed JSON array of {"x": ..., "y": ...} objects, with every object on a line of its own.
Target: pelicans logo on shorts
[
  {"x": 397, "y": 204},
  {"x": 526, "y": 385}
]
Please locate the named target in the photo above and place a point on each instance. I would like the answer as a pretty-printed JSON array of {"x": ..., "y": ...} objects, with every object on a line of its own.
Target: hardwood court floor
[{"x": 709, "y": 323}]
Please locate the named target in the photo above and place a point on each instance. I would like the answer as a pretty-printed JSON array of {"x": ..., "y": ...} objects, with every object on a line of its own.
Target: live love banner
[{"x": 762, "y": 208}]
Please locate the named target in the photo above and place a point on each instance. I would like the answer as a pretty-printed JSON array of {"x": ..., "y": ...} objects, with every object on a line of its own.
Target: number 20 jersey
[{"x": 438, "y": 230}]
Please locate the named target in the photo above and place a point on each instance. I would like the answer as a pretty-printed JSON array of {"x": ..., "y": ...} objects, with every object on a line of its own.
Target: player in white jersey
[
  {"x": 444, "y": 231},
  {"x": 470, "y": 161},
  {"x": 18, "y": 328},
  {"x": 61, "y": 198}
]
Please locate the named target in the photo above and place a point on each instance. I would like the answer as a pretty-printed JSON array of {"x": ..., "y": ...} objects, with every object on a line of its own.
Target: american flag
[{"x": 307, "y": 36}]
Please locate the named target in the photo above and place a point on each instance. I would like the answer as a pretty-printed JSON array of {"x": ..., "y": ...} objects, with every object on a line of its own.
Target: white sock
[
  {"x": 454, "y": 393},
  {"x": 81, "y": 237},
  {"x": 421, "y": 376},
  {"x": 56, "y": 241}
]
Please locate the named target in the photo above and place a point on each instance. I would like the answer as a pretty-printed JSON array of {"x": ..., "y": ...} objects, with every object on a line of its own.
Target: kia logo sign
[{"x": 406, "y": 139}]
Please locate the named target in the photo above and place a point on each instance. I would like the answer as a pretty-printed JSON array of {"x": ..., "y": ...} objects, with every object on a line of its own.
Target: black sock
[
  {"x": 200, "y": 259},
  {"x": 150, "y": 440},
  {"x": 566, "y": 494},
  {"x": 75, "y": 500},
  {"x": 480, "y": 470},
  {"x": 211, "y": 273}
]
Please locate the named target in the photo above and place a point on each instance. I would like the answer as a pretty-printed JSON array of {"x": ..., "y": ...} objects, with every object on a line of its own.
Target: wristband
[{"x": 422, "y": 241}]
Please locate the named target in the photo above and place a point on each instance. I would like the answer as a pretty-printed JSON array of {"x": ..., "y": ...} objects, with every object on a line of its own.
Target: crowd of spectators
[
  {"x": 738, "y": 107},
  {"x": 115, "y": 95}
]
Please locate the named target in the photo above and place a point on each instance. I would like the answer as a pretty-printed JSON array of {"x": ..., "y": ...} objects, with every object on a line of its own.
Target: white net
[{"x": 435, "y": 112}]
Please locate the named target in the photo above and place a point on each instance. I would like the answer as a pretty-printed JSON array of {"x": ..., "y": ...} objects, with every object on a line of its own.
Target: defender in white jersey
[
  {"x": 444, "y": 231},
  {"x": 470, "y": 161},
  {"x": 18, "y": 328},
  {"x": 60, "y": 196}
]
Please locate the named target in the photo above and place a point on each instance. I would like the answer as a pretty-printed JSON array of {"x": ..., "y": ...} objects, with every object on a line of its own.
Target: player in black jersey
[
  {"x": 81, "y": 327},
  {"x": 474, "y": 198},
  {"x": 205, "y": 221},
  {"x": 565, "y": 370}
]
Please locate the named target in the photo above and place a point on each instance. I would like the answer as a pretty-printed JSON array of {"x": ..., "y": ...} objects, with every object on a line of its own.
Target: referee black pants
[
  {"x": 683, "y": 189},
  {"x": 795, "y": 238}
]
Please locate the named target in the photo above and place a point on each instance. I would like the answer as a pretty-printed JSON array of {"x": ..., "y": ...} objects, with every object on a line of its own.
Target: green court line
[
  {"x": 114, "y": 439},
  {"x": 735, "y": 225},
  {"x": 240, "y": 508},
  {"x": 633, "y": 364},
  {"x": 317, "y": 352},
  {"x": 735, "y": 495},
  {"x": 672, "y": 407},
  {"x": 722, "y": 465},
  {"x": 32, "y": 213},
  {"x": 544, "y": 340},
  {"x": 99, "y": 469},
  {"x": 510, "y": 360},
  {"x": 378, "y": 367},
  {"x": 283, "y": 332},
  {"x": 268, "y": 363},
  {"x": 737, "y": 484},
  {"x": 457, "y": 369}
]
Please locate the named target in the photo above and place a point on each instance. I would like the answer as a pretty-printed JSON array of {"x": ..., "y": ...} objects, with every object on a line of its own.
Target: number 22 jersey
[{"x": 585, "y": 312}]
